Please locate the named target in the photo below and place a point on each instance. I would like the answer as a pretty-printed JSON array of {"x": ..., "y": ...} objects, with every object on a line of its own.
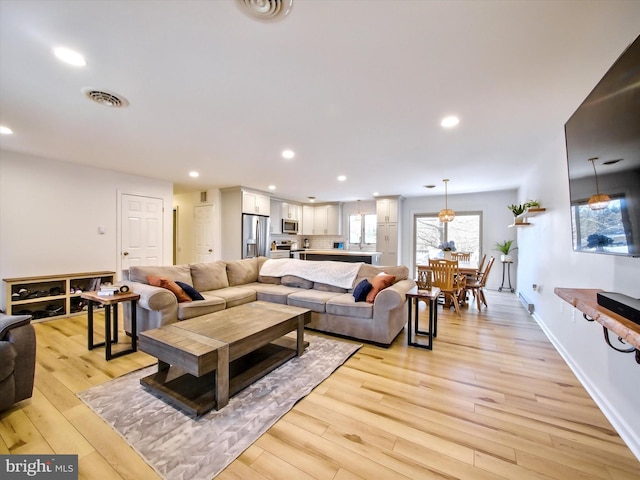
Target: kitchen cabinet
[
  {"x": 308, "y": 218},
  {"x": 290, "y": 211},
  {"x": 275, "y": 225},
  {"x": 255, "y": 203},
  {"x": 387, "y": 210},
  {"x": 327, "y": 220},
  {"x": 388, "y": 229}
]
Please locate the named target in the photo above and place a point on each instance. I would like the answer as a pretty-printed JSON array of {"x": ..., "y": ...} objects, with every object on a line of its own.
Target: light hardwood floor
[{"x": 493, "y": 400}]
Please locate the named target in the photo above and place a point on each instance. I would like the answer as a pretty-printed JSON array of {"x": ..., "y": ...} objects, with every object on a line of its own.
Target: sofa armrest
[
  {"x": 151, "y": 298},
  {"x": 392, "y": 297}
]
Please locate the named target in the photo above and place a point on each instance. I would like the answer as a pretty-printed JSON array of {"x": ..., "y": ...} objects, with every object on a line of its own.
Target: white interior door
[
  {"x": 141, "y": 227},
  {"x": 203, "y": 233}
]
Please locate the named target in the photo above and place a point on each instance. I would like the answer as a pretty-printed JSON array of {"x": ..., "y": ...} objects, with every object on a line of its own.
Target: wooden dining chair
[
  {"x": 461, "y": 256},
  {"x": 477, "y": 286},
  {"x": 447, "y": 278}
]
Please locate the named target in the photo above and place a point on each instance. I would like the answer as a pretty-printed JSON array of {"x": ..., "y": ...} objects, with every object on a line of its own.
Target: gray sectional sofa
[{"x": 225, "y": 284}]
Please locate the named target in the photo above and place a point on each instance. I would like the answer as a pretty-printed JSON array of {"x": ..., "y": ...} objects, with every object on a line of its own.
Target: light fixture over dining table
[
  {"x": 598, "y": 201},
  {"x": 447, "y": 214}
]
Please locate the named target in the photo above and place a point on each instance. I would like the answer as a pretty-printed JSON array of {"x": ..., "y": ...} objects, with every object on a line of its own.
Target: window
[
  {"x": 465, "y": 231},
  {"x": 606, "y": 230},
  {"x": 362, "y": 229}
]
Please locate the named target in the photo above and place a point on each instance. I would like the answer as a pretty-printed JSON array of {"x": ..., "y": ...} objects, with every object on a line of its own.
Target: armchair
[{"x": 17, "y": 358}]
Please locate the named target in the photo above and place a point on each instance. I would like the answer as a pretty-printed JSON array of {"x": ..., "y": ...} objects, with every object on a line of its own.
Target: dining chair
[
  {"x": 447, "y": 278},
  {"x": 477, "y": 286},
  {"x": 461, "y": 256}
]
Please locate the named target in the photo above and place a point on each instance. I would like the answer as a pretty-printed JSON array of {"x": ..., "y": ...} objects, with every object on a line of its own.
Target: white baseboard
[{"x": 631, "y": 438}]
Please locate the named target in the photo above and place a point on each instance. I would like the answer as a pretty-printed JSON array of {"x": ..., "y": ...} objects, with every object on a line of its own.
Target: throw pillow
[
  {"x": 361, "y": 290},
  {"x": 379, "y": 282},
  {"x": 189, "y": 290},
  {"x": 173, "y": 287}
]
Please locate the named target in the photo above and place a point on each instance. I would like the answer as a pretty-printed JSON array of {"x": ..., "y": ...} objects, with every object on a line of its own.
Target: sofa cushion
[
  {"x": 325, "y": 287},
  {"x": 7, "y": 322},
  {"x": 362, "y": 290},
  {"x": 312, "y": 299},
  {"x": 378, "y": 283},
  {"x": 294, "y": 281},
  {"x": 210, "y": 304},
  {"x": 346, "y": 306},
  {"x": 241, "y": 272},
  {"x": 234, "y": 296},
  {"x": 173, "y": 287},
  {"x": 189, "y": 290},
  {"x": 369, "y": 271},
  {"x": 209, "y": 276},
  {"x": 180, "y": 273},
  {"x": 272, "y": 293}
]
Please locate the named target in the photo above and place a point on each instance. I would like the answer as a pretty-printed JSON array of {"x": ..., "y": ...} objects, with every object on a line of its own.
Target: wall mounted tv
[{"x": 603, "y": 157}]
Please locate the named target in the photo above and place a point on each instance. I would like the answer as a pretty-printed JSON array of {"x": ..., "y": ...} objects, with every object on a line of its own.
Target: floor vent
[{"x": 528, "y": 305}]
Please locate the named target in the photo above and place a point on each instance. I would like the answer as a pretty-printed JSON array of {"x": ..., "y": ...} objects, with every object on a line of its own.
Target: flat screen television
[{"x": 603, "y": 157}]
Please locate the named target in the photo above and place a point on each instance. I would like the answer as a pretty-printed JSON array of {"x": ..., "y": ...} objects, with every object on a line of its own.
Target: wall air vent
[
  {"x": 266, "y": 9},
  {"x": 106, "y": 98}
]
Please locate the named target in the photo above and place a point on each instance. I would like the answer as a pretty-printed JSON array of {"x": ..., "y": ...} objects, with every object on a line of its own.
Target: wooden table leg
[{"x": 222, "y": 378}]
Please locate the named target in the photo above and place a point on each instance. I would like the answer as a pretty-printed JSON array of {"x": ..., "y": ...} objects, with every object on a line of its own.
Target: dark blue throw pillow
[
  {"x": 189, "y": 290},
  {"x": 361, "y": 290}
]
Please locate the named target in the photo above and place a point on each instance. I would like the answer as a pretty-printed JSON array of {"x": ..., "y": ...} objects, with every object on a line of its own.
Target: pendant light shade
[
  {"x": 447, "y": 214},
  {"x": 598, "y": 201}
]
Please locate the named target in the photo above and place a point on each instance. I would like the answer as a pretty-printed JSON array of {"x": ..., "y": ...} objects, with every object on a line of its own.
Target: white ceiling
[{"x": 354, "y": 87}]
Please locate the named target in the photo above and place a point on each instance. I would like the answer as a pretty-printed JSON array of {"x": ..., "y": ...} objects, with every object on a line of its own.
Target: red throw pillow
[
  {"x": 173, "y": 287},
  {"x": 379, "y": 282}
]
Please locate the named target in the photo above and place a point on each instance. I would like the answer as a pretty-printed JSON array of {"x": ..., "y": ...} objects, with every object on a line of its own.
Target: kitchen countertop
[{"x": 336, "y": 251}]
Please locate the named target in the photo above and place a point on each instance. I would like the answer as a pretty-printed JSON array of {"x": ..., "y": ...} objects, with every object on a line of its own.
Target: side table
[
  {"x": 430, "y": 297},
  {"x": 110, "y": 304}
]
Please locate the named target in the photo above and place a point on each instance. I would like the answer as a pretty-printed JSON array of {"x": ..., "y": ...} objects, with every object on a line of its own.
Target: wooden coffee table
[{"x": 205, "y": 360}]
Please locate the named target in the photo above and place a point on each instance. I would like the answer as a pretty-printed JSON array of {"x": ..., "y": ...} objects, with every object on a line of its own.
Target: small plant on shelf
[
  {"x": 517, "y": 210},
  {"x": 505, "y": 247}
]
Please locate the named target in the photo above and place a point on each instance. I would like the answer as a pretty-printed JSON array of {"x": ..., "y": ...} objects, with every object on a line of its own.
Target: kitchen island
[{"x": 339, "y": 255}]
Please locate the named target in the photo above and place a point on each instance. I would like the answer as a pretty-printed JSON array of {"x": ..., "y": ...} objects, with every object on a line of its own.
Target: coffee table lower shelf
[{"x": 196, "y": 395}]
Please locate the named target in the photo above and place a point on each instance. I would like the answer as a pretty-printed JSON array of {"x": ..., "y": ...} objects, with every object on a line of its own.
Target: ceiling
[{"x": 354, "y": 87}]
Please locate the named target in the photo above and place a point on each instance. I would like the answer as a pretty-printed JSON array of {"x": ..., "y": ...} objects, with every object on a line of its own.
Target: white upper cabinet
[
  {"x": 291, "y": 211},
  {"x": 256, "y": 203},
  {"x": 327, "y": 220},
  {"x": 387, "y": 210},
  {"x": 308, "y": 218},
  {"x": 275, "y": 224}
]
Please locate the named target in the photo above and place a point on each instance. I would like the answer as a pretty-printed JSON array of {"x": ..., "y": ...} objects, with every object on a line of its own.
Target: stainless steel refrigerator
[{"x": 255, "y": 236}]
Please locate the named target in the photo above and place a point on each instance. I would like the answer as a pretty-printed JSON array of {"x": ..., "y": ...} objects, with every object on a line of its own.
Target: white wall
[
  {"x": 547, "y": 258},
  {"x": 50, "y": 212},
  {"x": 496, "y": 218}
]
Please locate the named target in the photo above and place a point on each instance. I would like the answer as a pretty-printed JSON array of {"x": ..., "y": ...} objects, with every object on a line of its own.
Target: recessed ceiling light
[
  {"x": 375, "y": 194},
  {"x": 312, "y": 199},
  {"x": 429, "y": 186},
  {"x": 5, "y": 130},
  {"x": 194, "y": 174},
  {"x": 69, "y": 56},
  {"x": 341, "y": 178},
  {"x": 272, "y": 187},
  {"x": 450, "y": 121},
  {"x": 288, "y": 154}
]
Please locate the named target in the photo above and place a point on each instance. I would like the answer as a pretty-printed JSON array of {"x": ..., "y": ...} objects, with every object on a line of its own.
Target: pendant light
[
  {"x": 446, "y": 215},
  {"x": 597, "y": 201}
]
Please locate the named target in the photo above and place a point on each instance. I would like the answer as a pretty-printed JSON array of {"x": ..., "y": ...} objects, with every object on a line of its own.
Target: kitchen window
[{"x": 362, "y": 229}]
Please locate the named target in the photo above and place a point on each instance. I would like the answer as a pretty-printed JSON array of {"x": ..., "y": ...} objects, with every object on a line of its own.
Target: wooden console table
[{"x": 586, "y": 300}]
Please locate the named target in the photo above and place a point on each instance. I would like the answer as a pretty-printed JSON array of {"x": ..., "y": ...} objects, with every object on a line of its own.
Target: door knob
[
  {"x": 210, "y": 250},
  {"x": 126, "y": 253}
]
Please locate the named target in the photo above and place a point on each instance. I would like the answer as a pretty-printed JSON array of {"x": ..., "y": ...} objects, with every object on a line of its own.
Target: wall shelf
[
  {"x": 586, "y": 300},
  {"x": 532, "y": 212}
]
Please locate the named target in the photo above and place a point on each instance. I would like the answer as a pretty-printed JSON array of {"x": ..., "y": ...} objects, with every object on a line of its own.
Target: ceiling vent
[
  {"x": 266, "y": 9},
  {"x": 106, "y": 98}
]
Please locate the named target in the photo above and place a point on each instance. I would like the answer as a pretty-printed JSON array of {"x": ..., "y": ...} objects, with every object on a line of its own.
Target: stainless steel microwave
[{"x": 289, "y": 226}]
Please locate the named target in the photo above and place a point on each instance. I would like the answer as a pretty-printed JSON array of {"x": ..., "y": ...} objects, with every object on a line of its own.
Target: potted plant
[
  {"x": 447, "y": 248},
  {"x": 505, "y": 247},
  {"x": 517, "y": 211}
]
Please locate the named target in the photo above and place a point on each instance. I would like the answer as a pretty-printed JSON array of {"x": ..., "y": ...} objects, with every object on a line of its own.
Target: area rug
[{"x": 179, "y": 446}]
